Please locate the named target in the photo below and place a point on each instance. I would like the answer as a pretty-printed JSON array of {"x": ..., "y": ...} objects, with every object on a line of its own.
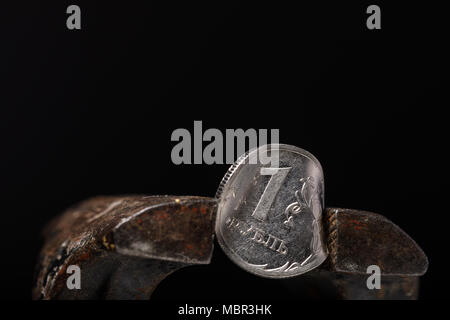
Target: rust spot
[
  {"x": 107, "y": 244},
  {"x": 357, "y": 225},
  {"x": 84, "y": 256},
  {"x": 162, "y": 215}
]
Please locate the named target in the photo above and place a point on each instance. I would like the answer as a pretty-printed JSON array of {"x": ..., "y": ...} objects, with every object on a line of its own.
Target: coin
[{"x": 269, "y": 217}]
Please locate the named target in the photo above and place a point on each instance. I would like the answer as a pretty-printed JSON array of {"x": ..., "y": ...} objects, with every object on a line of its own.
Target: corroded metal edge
[
  {"x": 357, "y": 239},
  {"x": 84, "y": 235}
]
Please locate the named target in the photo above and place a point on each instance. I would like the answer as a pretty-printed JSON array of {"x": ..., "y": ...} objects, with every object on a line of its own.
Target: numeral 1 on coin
[{"x": 276, "y": 180}]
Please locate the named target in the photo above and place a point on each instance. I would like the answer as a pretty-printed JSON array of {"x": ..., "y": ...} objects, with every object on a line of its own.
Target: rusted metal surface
[
  {"x": 353, "y": 287},
  {"x": 321, "y": 284},
  {"x": 358, "y": 239},
  {"x": 124, "y": 246}
]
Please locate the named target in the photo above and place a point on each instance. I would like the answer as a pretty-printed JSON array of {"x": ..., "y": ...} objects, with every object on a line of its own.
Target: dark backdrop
[{"x": 91, "y": 112}]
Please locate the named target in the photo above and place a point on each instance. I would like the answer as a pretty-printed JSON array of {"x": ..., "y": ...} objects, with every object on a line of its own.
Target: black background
[{"x": 91, "y": 112}]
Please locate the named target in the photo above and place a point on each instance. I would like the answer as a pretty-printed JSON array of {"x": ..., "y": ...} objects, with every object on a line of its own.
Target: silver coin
[{"x": 269, "y": 217}]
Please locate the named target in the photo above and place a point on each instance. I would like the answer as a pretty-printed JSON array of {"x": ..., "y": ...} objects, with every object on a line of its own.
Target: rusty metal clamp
[{"x": 127, "y": 245}]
